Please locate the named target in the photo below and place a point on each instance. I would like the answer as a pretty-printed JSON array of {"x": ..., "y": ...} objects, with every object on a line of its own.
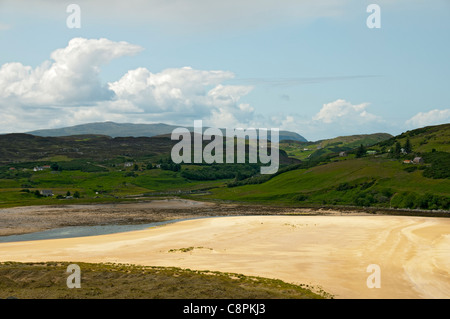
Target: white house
[{"x": 46, "y": 192}]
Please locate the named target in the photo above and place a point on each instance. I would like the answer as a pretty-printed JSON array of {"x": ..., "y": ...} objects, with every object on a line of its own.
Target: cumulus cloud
[
  {"x": 341, "y": 117},
  {"x": 336, "y": 118},
  {"x": 67, "y": 89},
  {"x": 173, "y": 88},
  {"x": 183, "y": 93},
  {"x": 432, "y": 117},
  {"x": 341, "y": 111},
  {"x": 70, "y": 77}
]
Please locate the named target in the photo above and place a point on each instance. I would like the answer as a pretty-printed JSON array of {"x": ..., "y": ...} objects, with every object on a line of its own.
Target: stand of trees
[
  {"x": 361, "y": 151},
  {"x": 418, "y": 201},
  {"x": 222, "y": 171},
  {"x": 440, "y": 165}
]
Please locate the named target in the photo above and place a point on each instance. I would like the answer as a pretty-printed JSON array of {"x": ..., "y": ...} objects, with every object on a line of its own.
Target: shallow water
[{"x": 82, "y": 231}]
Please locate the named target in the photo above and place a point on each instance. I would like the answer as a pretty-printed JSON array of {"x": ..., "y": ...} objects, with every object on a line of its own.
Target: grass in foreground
[{"x": 119, "y": 281}]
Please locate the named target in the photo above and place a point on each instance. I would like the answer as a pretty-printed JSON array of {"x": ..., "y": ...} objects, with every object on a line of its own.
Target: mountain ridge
[{"x": 114, "y": 129}]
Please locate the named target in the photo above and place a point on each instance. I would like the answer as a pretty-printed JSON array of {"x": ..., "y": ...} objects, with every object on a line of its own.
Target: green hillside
[
  {"x": 380, "y": 180},
  {"x": 360, "y": 182},
  {"x": 422, "y": 140},
  {"x": 307, "y": 150}
]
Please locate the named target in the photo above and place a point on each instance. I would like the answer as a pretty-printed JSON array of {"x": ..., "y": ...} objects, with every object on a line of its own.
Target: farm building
[{"x": 46, "y": 192}]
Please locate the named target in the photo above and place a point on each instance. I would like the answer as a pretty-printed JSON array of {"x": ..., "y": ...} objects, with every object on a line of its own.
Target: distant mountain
[
  {"x": 109, "y": 129},
  {"x": 130, "y": 130}
]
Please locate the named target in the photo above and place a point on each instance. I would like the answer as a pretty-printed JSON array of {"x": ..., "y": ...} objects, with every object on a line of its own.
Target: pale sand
[
  {"x": 22, "y": 220},
  {"x": 331, "y": 252}
]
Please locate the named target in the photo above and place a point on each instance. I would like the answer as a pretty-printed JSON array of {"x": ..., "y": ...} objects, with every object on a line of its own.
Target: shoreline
[
  {"x": 30, "y": 219},
  {"x": 327, "y": 251}
]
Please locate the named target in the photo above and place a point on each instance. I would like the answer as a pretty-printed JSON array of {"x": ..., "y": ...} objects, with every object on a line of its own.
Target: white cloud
[
  {"x": 432, "y": 117},
  {"x": 335, "y": 118},
  {"x": 70, "y": 77},
  {"x": 341, "y": 111},
  {"x": 341, "y": 117},
  {"x": 171, "y": 88},
  {"x": 184, "y": 93},
  {"x": 67, "y": 89}
]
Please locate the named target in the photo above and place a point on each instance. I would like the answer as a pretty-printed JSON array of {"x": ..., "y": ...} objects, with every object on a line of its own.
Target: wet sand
[
  {"x": 29, "y": 219},
  {"x": 332, "y": 252}
]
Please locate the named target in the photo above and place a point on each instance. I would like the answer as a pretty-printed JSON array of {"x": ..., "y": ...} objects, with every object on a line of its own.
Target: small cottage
[
  {"x": 418, "y": 160},
  {"x": 47, "y": 192}
]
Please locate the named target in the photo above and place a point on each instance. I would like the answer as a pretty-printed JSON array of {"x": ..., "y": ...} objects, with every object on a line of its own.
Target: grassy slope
[
  {"x": 115, "y": 281},
  {"x": 342, "y": 143},
  {"x": 319, "y": 183},
  {"x": 345, "y": 179},
  {"x": 424, "y": 139}
]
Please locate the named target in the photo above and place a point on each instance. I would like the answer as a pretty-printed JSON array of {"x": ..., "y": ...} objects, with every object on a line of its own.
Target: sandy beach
[
  {"x": 29, "y": 219},
  {"x": 331, "y": 252}
]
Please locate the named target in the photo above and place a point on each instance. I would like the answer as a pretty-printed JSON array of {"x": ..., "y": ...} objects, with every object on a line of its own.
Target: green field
[{"x": 94, "y": 187}]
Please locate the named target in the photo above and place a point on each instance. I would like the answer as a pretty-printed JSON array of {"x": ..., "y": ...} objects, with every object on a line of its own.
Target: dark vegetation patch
[
  {"x": 440, "y": 165},
  {"x": 118, "y": 281}
]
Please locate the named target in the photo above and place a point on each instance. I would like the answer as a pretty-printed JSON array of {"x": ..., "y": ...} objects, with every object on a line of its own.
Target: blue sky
[{"x": 313, "y": 67}]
